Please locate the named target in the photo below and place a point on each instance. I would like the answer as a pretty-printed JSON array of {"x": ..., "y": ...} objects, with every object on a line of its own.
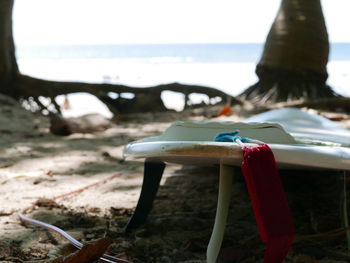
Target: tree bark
[
  {"x": 298, "y": 39},
  {"x": 8, "y": 64},
  {"x": 295, "y": 56}
]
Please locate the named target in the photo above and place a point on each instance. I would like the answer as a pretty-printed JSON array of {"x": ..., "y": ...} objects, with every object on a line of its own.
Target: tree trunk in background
[
  {"x": 8, "y": 64},
  {"x": 295, "y": 56}
]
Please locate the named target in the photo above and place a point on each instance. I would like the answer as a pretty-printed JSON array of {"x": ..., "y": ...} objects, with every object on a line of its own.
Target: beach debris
[
  {"x": 88, "y": 123},
  {"x": 90, "y": 252},
  {"x": 225, "y": 111}
]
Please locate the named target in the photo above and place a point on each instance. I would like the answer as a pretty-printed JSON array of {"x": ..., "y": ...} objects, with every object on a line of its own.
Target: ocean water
[{"x": 227, "y": 67}]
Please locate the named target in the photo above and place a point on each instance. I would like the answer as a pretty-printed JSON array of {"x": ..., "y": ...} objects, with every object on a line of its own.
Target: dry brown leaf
[{"x": 89, "y": 253}]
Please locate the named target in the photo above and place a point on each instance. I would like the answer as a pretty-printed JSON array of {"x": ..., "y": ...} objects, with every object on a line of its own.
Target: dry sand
[{"x": 36, "y": 167}]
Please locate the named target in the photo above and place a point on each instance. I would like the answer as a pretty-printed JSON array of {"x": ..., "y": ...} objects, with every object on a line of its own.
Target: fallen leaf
[{"x": 90, "y": 252}]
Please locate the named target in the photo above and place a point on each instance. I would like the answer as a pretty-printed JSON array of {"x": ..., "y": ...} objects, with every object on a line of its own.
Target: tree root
[
  {"x": 146, "y": 99},
  {"x": 276, "y": 85}
]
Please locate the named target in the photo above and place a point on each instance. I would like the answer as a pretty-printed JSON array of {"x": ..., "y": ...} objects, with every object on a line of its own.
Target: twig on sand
[
  {"x": 77, "y": 191},
  {"x": 88, "y": 186},
  {"x": 333, "y": 233}
]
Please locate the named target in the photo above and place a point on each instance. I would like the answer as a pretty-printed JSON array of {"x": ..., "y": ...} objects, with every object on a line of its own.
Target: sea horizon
[
  {"x": 229, "y": 67},
  {"x": 244, "y": 52}
]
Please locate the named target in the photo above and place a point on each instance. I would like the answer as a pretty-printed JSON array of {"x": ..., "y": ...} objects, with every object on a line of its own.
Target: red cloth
[{"x": 269, "y": 202}]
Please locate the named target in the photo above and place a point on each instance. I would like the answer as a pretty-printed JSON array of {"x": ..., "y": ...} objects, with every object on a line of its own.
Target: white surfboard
[{"x": 298, "y": 140}]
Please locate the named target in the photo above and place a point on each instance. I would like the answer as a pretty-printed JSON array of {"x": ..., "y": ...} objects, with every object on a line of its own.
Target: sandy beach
[
  {"x": 82, "y": 184},
  {"x": 75, "y": 92}
]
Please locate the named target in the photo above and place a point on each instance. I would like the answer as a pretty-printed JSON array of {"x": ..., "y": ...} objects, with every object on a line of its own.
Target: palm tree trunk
[
  {"x": 8, "y": 64},
  {"x": 294, "y": 60}
]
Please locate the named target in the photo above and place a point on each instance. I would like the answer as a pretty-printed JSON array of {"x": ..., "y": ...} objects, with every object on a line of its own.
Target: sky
[{"x": 75, "y": 22}]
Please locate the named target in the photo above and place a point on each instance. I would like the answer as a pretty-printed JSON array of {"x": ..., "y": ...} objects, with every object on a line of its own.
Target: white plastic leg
[{"x": 225, "y": 186}]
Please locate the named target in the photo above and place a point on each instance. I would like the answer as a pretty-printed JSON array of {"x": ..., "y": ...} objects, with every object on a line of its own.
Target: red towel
[{"x": 269, "y": 202}]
